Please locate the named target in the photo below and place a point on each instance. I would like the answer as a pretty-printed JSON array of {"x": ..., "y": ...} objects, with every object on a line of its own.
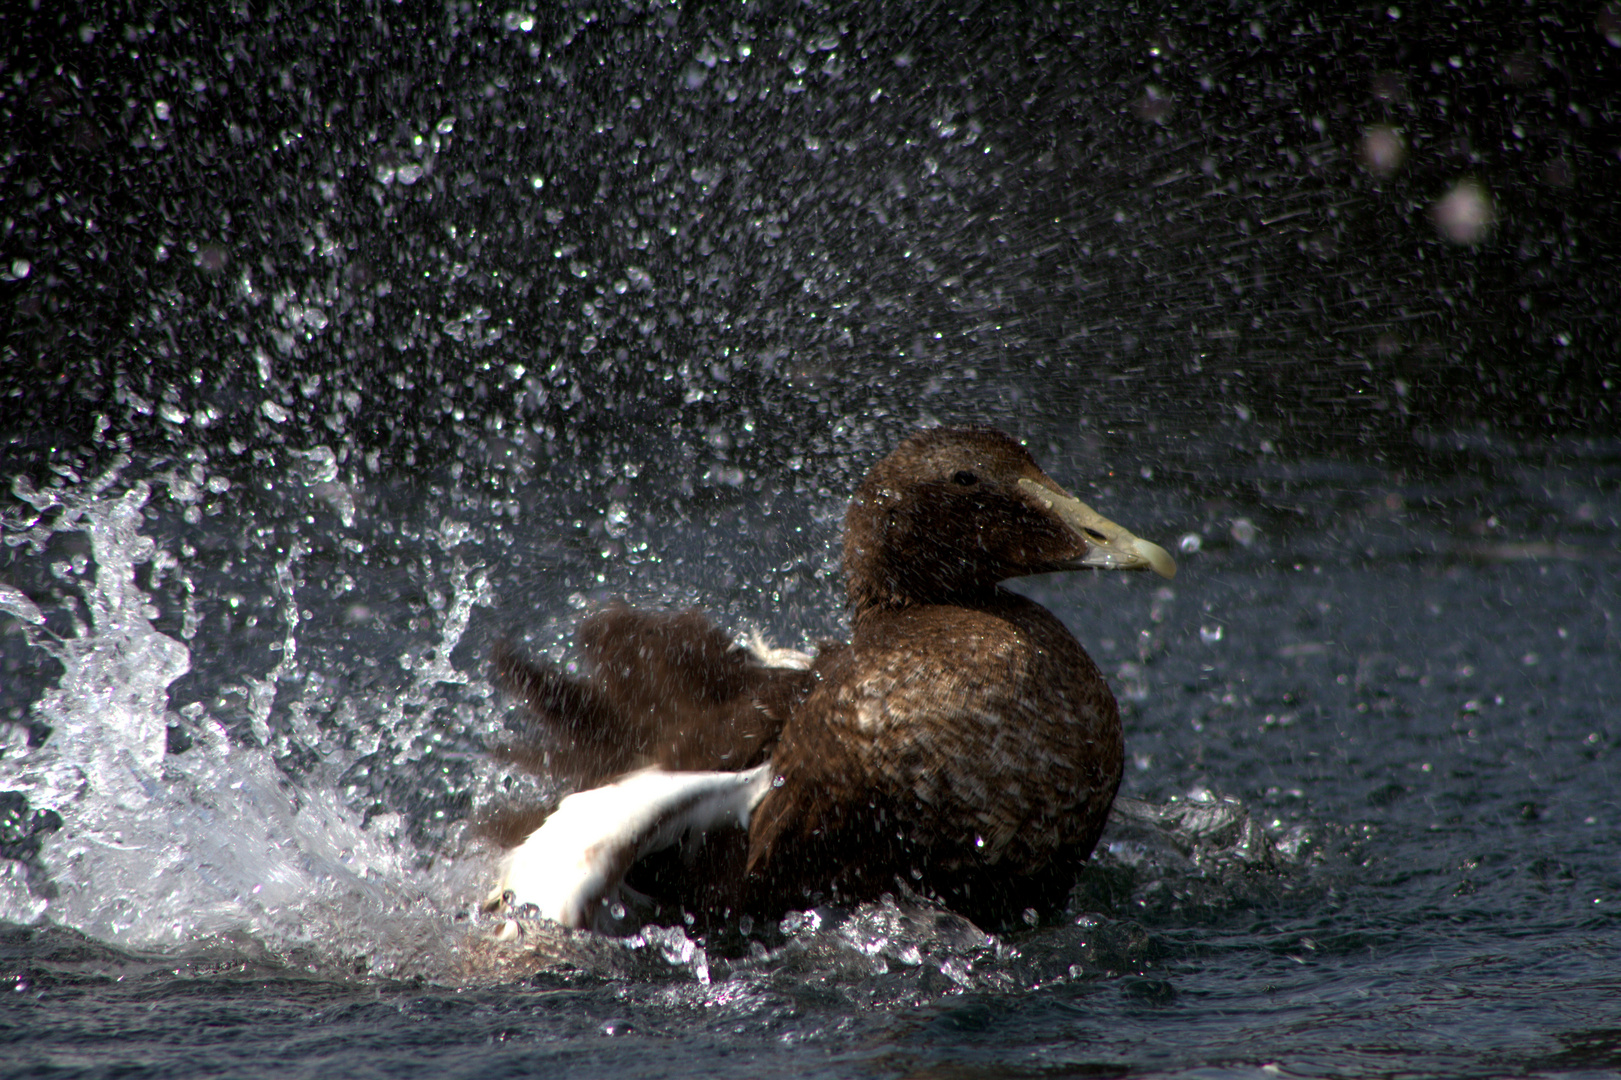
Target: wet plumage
[{"x": 962, "y": 745}]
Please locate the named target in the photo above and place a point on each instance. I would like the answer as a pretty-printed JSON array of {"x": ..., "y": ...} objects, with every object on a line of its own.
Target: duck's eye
[{"x": 965, "y": 478}]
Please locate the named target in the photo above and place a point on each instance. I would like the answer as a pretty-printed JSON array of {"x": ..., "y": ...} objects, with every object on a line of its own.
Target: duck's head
[{"x": 953, "y": 511}]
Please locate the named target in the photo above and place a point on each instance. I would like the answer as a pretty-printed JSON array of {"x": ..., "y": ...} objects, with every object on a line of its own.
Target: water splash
[
  {"x": 160, "y": 850},
  {"x": 108, "y": 710}
]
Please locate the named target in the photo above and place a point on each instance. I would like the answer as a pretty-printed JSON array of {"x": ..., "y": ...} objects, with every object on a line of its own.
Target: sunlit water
[{"x": 415, "y": 365}]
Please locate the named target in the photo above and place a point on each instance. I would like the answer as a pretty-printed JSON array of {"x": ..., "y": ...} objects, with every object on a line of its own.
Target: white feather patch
[
  {"x": 578, "y": 859},
  {"x": 768, "y": 655}
]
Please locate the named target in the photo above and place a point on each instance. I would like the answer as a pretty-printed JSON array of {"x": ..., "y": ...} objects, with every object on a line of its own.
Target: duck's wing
[
  {"x": 667, "y": 690},
  {"x": 642, "y": 659},
  {"x": 573, "y": 867},
  {"x": 574, "y": 732},
  {"x": 697, "y": 700}
]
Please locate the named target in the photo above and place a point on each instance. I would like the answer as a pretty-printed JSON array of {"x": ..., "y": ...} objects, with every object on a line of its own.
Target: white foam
[{"x": 158, "y": 850}]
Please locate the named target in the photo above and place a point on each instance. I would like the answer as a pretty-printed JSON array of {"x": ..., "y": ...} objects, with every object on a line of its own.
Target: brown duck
[{"x": 961, "y": 746}]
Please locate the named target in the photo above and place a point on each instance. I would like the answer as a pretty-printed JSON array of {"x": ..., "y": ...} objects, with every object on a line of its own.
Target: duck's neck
[
  {"x": 892, "y": 562},
  {"x": 872, "y": 594}
]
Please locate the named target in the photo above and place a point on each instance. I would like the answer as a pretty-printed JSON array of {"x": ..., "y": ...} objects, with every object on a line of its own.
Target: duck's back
[{"x": 972, "y": 751}]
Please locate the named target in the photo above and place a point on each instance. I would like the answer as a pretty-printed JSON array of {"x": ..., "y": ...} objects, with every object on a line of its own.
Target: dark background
[{"x": 1154, "y": 215}]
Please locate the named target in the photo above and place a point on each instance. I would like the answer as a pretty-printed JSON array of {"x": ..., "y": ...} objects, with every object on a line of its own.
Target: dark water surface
[{"x": 341, "y": 343}]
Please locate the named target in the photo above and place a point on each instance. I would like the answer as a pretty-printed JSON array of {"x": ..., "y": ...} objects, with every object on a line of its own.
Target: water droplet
[
  {"x": 1383, "y": 150},
  {"x": 1465, "y": 214}
]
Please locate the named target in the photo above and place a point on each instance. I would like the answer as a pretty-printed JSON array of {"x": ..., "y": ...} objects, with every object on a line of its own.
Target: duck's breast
[{"x": 986, "y": 731}]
